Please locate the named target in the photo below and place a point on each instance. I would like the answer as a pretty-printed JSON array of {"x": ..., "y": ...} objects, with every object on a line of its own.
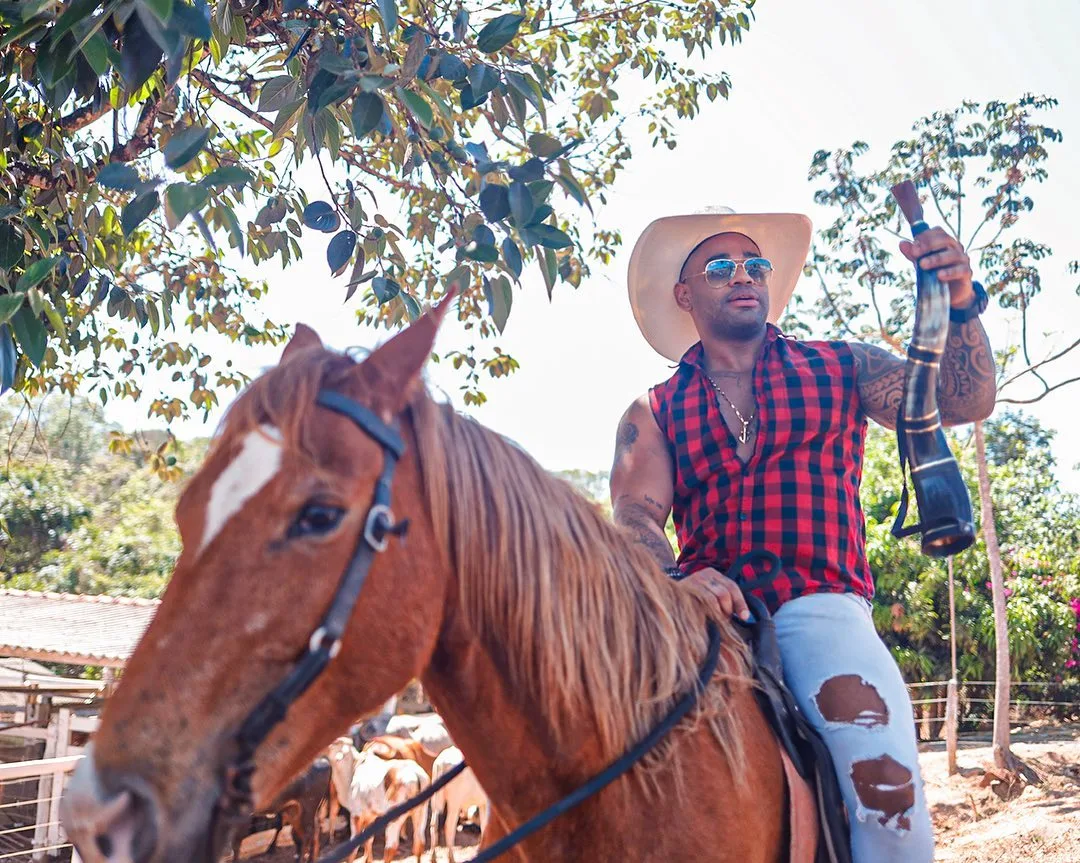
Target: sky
[{"x": 808, "y": 76}]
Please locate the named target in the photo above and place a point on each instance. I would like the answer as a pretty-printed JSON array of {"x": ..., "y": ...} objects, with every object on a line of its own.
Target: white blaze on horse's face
[{"x": 254, "y": 466}]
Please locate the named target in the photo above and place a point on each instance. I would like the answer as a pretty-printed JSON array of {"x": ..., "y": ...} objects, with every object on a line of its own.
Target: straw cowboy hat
[{"x": 662, "y": 249}]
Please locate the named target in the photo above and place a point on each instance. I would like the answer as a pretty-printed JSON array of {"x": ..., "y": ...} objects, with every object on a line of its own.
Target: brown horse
[{"x": 548, "y": 641}]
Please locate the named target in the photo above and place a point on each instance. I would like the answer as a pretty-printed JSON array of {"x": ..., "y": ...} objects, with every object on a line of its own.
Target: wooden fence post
[{"x": 44, "y": 792}]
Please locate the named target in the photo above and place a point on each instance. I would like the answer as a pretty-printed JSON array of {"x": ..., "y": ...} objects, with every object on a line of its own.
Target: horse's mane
[{"x": 584, "y": 620}]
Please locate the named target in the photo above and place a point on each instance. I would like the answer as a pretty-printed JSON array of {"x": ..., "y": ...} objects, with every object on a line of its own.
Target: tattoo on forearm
[
  {"x": 881, "y": 382},
  {"x": 624, "y": 441},
  {"x": 967, "y": 377},
  {"x": 635, "y": 517}
]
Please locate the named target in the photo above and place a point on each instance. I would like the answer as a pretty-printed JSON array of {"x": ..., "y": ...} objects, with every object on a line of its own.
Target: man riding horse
[{"x": 756, "y": 442}]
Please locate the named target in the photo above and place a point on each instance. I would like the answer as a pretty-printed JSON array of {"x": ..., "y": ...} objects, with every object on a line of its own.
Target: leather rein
[{"x": 236, "y": 802}]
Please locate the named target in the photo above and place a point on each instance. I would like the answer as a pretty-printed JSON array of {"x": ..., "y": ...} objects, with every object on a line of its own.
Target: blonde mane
[{"x": 584, "y": 620}]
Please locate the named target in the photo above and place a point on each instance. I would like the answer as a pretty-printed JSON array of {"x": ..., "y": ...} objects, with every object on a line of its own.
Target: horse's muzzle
[{"x": 116, "y": 818}]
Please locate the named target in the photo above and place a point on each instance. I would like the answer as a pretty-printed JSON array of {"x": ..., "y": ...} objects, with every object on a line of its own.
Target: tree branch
[
  {"x": 1031, "y": 368},
  {"x": 82, "y": 117},
  {"x": 204, "y": 79},
  {"x": 142, "y": 139},
  {"x": 1040, "y": 396}
]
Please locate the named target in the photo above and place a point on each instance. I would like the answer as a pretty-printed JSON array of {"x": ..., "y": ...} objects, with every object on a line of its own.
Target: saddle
[{"x": 812, "y": 783}]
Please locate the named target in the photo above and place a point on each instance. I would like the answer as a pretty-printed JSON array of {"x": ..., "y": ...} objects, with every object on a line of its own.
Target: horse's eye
[{"x": 316, "y": 519}]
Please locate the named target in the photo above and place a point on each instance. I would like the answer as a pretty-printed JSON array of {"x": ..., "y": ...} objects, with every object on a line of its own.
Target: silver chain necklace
[{"x": 744, "y": 436}]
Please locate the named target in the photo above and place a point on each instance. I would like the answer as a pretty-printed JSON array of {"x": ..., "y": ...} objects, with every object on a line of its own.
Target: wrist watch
[{"x": 977, "y": 307}]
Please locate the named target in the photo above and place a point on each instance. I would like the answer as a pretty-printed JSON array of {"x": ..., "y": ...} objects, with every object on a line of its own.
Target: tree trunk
[
  {"x": 1002, "y": 754},
  {"x": 952, "y": 704}
]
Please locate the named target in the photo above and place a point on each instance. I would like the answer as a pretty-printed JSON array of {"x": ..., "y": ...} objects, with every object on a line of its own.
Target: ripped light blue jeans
[{"x": 846, "y": 682}]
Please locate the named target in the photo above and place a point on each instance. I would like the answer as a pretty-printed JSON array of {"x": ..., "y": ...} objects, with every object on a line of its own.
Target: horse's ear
[
  {"x": 393, "y": 369},
  {"x": 303, "y": 339}
]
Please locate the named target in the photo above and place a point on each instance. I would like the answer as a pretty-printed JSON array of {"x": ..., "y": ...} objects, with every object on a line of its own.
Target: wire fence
[
  {"x": 1030, "y": 702},
  {"x": 29, "y": 796}
]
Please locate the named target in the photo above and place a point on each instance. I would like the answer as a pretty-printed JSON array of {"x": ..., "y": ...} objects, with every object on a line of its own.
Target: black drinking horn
[{"x": 945, "y": 516}]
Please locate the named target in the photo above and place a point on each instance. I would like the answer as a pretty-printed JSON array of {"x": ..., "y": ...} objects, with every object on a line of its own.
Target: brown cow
[
  {"x": 390, "y": 746},
  {"x": 298, "y": 806}
]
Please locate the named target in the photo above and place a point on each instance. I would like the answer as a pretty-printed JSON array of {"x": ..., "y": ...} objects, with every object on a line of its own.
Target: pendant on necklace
[{"x": 745, "y": 436}]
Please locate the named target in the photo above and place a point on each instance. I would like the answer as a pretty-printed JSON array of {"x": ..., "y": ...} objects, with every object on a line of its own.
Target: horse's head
[{"x": 269, "y": 523}]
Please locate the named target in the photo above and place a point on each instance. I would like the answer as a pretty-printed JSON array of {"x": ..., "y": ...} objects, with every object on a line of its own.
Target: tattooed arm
[
  {"x": 966, "y": 385},
  {"x": 641, "y": 481}
]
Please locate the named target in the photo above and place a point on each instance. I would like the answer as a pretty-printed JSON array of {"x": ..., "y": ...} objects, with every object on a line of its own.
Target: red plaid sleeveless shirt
[{"x": 798, "y": 495}]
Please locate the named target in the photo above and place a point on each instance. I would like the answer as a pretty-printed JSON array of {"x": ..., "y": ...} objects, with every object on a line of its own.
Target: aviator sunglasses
[{"x": 721, "y": 271}]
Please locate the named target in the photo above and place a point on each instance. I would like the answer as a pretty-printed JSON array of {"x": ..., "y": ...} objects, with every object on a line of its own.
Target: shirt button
[{"x": 743, "y": 516}]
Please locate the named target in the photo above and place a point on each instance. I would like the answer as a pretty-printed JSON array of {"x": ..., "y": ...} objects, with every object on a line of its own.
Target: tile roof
[{"x": 61, "y": 627}]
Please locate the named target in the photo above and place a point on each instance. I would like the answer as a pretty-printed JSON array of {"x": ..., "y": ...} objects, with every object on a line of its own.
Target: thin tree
[{"x": 975, "y": 167}]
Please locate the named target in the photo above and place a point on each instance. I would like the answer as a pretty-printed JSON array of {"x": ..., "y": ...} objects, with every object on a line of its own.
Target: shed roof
[{"x": 62, "y": 627}]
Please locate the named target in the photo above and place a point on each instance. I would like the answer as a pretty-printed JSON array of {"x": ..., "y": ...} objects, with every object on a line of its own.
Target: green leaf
[
  {"x": 8, "y": 359},
  {"x": 139, "y": 54},
  {"x": 388, "y": 11},
  {"x": 30, "y": 334},
  {"x": 278, "y": 92},
  {"x": 371, "y": 83},
  {"x": 185, "y": 146},
  {"x": 482, "y": 80},
  {"x": 437, "y": 100},
  {"x": 481, "y": 252},
  {"x": 321, "y": 216},
  {"x": 368, "y": 110},
  {"x": 498, "y": 33},
  {"x": 192, "y": 21},
  {"x": 77, "y": 11},
  {"x": 412, "y": 307},
  {"x": 461, "y": 24},
  {"x": 543, "y": 145},
  {"x": 117, "y": 175},
  {"x": 512, "y": 257},
  {"x": 56, "y": 320},
  {"x": 547, "y": 268},
  {"x": 9, "y": 305},
  {"x": 229, "y": 175},
  {"x": 500, "y": 296},
  {"x": 551, "y": 237},
  {"x": 339, "y": 251},
  {"x": 521, "y": 203},
  {"x": 162, "y": 9},
  {"x": 36, "y": 273},
  {"x": 236, "y": 233},
  {"x": 528, "y": 88},
  {"x": 136, "y": 211},
  {"x": 12, "y": 246},
  {"x": 573, "y": 188},
  {"x": 385, "y": 289},
  {"x": 494, "y": 202},
  {"x": 460, "y": 276},
  {"x": 97, "y": 54},
  {"x": 419, "y": 107},
  {"x": 182, "y": 199},
  {"x": 35, "y": 300}
]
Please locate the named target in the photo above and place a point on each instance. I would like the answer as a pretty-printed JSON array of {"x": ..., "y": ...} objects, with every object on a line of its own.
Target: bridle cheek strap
[{"x": 325, "y": 642}]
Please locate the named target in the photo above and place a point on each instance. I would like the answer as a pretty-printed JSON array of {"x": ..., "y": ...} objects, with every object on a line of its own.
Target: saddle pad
[{"x": 803, "y": 815}]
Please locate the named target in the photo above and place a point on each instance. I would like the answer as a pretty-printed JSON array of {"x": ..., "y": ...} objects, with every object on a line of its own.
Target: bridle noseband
[{"x": 236, "y": 804}]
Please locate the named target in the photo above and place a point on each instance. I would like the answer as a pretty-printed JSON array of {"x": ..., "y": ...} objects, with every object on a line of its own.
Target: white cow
[
  {"x": 427, "y": 728},
  {"x": 459, "y": 796},
  {"x": 368, "y": 786}
]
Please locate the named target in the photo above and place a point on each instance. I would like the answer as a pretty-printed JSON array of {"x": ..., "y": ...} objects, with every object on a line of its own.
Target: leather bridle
[
  {"x": 236, "y": 806},
  {"x": 236, "y": 803}
]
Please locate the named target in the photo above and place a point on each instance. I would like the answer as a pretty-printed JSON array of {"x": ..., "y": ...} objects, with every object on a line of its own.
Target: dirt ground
[{"x": 973, "y": 823}]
